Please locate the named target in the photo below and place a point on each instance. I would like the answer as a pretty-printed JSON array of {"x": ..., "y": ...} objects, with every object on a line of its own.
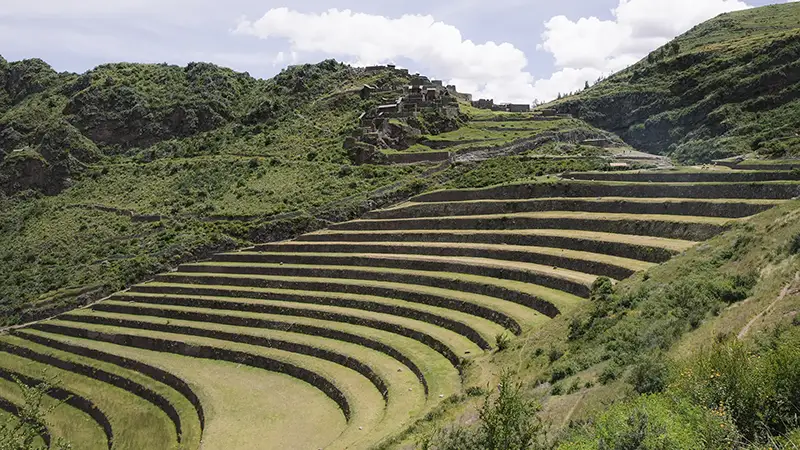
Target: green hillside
[
  {"x": 114, "y": 175},
  {"x": 729, "y": 86},
  {"x": 191, "y": 257}
]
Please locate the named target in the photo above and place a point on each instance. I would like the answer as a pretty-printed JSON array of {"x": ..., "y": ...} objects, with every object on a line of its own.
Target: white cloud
[
  {"x": 583, "y": 49},
  {"x": 487, "y": 69},
  {"x": 638, "y": 27}
]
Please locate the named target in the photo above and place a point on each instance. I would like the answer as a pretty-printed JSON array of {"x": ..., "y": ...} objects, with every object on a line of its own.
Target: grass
[
  {"x": 365, "y": 401},
  {"x": 243, "y": 404},
  {"x": 65, "y": 422},
  {"x": 628, "y": 263},
  {"x": 352, "y": 272},
  {"x": 563, "y": 215},
  {"x": 405, "y": 393},
  {"x": 136, "y": 423},
  {"x": 190, "y": 425},
  {"x": 483, "y": 326},
  {"x": 525, "y": 316},
  {"x": 677, "y": 245},
  {"x": 457, "y": 343},
  {"x": 442, "y": 378}
]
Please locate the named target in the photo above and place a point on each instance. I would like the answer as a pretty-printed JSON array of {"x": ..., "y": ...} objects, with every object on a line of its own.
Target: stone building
[
  {"x": 514, "y": 107},
  {"x": 483, "y": 104}
]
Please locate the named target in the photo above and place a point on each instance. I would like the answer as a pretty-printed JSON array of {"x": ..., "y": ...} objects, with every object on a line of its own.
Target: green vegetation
[
  {"x": 507, "y": 421},
  {"x": 727, "y": 87},
  {"x": 24, "y": 431},
  {"x": 511, "y": 169}
]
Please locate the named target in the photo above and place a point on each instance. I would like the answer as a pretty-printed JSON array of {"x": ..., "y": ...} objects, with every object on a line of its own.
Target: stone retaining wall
[
  {"x": 278, "y": 344},
  {"x": 587, "y": 189},
  {"x": 413, "y": 158},
  {"x": 267, "y": 308},
  {"x": 432, "y": 280},
  {"x": 290, "y": 257},
  {"x": 325, "y": 286},
  {"x": 652, "y": 227},
  {"x": 364, "y": 305},
  {"x": 69, "y": 398},
  {"x": 688, "y": 177},
  {"x": 101, "y": 375},
  {"x": 270, "y": 325},
  {"x": 678, "y": 208},
  {"x": 155, "y": 373},
  {"x": 206, "y": 352},
  {"x": 625, "y": 250}
]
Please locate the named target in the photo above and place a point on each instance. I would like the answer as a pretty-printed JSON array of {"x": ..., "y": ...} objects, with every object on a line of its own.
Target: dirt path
[
  {"x": 784, "y": 292},
  {"x": 572, "y": 410}
]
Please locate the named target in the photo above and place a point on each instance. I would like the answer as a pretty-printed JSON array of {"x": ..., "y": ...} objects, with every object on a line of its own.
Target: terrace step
[
  {"x": 432, "y": 370},
  {"x": 506, "y": 281},
  {"x": 687, "y": 177},
  {"x": 643, "y": 248},
  {"x": 665, "y": 226},
  {"x": 733, "y": 208},
  {"x": 10, "y": 411},
  {"x": 154, "y": 373},
  {"x": 243, "y": 404},
  {"x": 762, "y": 190},
  {"x": 452, "y": 345},
  {"x": 504, "y": 313},
  {"x": 510, "y": 258},
  {"x": 403, "y": 394},
  {"x": 132, "y": 423},
  {"x": 160, "y": 396},
  {"x": 357, "y": 397}
]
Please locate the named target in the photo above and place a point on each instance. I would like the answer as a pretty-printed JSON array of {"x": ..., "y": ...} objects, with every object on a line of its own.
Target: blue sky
[{"x": 512, "y": 50}]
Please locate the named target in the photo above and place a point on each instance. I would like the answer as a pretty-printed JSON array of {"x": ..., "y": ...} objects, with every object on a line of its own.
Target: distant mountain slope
[{"x": 728, "y": 86}]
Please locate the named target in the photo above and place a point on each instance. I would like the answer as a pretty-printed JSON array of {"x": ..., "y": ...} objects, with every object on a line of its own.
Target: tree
[
  {"x": 22, "y": 432},
  {"x": 586, "y": 86},
  {"x": 507, "y": 421}
]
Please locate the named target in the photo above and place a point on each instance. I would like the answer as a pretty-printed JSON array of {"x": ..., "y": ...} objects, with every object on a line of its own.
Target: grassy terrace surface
[
  {"x": 65, "y": 421},
  {"x": 242, "y": 404},
  {"x": 365, "y": 403},
  {"x": 403, "y": 394},
  {"x": 388, "y": 255},
  {"x": 135, "y": 423},
  {"x": 732, "y": 208},
  {"x": 761, "y": 190},
  {"x": 180, "y": 413},
  {"x": 373, "y": 323}
]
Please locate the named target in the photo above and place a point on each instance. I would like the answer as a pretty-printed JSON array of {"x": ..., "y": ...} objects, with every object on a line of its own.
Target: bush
[
  {"x": 22, "y": 433},
  {"x": 609, "y": 374},
  {"x": 554, "y": 354},
  {"x": 650, "y": 375},
  {"x": 507, "y": 421},
  {"x": 759, "y": 391},
  {"x": 655, "y": 422},
  {"x": 503, "y": 341}
]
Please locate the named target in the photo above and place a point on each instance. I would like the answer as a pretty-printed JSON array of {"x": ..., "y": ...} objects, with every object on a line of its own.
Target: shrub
[
  {"x": 503, "y": 341},
  {"x": 650, "y": 375},
  {"x": 759, "y": 391},
  {"x": 609, "y": 374},
  {"x": 22, "y": 433},
  {"x": 554, "y": 354},
  {"x": 794, "y": 244},
  {"x": 507, "y": 421},
  {"x": 655, "y": 422}
]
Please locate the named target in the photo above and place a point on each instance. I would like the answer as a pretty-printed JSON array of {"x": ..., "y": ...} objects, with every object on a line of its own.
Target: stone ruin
[{"x": 507, "y": 107}]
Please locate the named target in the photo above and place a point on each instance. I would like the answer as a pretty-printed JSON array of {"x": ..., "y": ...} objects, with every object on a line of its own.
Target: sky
[{"x": 508, "y": 50}]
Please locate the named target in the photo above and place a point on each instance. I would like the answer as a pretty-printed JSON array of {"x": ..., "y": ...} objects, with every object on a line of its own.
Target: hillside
[
  {"x": 114, "y": 175},
  {"x": 729, "y": 86}
]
